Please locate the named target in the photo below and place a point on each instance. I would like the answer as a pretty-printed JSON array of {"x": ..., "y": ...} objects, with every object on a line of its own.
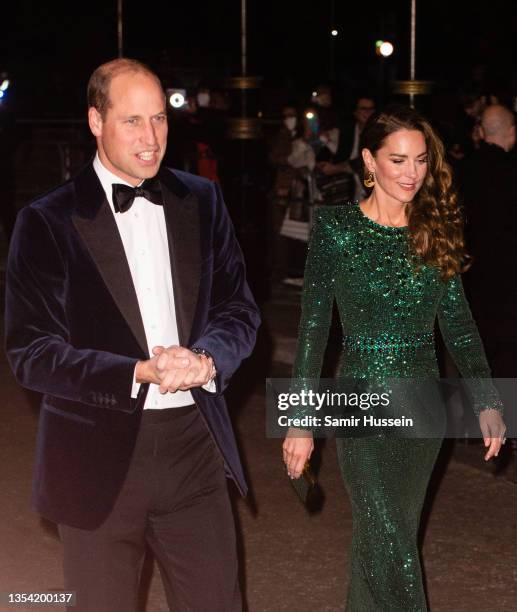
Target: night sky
[{"x": 51, "y": 47}]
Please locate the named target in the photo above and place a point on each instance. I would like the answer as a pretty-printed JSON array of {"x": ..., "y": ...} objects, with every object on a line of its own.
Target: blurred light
[
  {"x": 334, "y": 32},
  {"x": 386, "y": 49},
  {"x": 4, "y": 85},
  {"x": 177, "y": 100},
  {"x": 1, "y": 93},
  {"x": 378, "y": 43},
  {"x": 177, "y": 97},
  {"x": 309, "y": 115}
]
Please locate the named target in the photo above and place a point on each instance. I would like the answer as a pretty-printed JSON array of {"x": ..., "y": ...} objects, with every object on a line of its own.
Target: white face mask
[
  {"x": 203, "y": 99},
  {"x": 290, "y": 123}
]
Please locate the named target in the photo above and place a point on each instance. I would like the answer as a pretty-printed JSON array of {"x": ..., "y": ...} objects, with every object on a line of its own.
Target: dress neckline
[{"x": 387, "y": 228}]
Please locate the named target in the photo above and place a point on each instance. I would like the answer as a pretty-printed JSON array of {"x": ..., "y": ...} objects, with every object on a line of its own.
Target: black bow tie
[{"x": 124, "y": 195}]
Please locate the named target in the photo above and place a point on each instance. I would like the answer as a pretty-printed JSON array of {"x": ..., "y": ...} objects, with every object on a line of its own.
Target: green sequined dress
[{"x": 387, "y": 313}]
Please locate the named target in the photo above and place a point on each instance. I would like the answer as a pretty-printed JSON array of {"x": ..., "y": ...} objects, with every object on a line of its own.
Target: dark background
[{"x": 50, "y": 48}]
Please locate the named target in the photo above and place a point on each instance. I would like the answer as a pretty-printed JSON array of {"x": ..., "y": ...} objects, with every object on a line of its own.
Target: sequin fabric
[{"x": 387, "y": 311}]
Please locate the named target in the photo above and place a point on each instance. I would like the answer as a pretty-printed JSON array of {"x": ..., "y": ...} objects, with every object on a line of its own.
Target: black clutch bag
[{"x": 306, "y": 487}]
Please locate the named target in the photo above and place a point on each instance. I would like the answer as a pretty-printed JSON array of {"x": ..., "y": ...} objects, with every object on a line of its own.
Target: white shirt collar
[{"x": 107, "y": 178}]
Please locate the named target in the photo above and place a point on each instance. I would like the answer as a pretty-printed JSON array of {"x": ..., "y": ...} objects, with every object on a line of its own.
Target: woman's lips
[{"x": 407, "y": 186}]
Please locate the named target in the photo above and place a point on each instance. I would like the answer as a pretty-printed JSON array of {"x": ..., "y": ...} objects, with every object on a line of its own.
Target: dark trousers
[{"x": 174, "y": 499}]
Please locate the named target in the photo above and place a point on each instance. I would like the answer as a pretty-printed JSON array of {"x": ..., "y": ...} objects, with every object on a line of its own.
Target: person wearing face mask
[
  {"x": 203, "y": 98},
  {"x": 288, "y": 253},
  {"x": 290, "y": 122}
]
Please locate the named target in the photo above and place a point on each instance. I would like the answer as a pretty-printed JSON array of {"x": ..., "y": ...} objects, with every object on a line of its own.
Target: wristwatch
[{"x": 204, "y": 353}]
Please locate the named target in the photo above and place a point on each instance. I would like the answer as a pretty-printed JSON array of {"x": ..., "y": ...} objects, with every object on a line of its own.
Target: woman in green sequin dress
[{"x": 392, "y": 264}]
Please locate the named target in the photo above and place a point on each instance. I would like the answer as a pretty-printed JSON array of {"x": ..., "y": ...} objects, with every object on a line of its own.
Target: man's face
[
  {"x": 363, "y": 111},
  {"x": 132, "y": 137}
]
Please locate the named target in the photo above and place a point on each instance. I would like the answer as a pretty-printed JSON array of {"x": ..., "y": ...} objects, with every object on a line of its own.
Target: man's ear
[
  {"x": 95, "y": 121},
  {"x": 369, "y": 160}
]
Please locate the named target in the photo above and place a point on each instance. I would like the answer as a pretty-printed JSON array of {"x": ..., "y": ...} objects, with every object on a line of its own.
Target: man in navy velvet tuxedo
[{"x": 127, "y": 307}]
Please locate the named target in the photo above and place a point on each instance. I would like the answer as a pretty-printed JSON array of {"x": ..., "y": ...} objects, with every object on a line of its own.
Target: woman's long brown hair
[{"x": 435, "y": 222}]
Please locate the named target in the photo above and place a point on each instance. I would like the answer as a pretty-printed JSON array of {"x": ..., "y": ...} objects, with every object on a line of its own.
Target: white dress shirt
[{"x": 144, "y": 236}]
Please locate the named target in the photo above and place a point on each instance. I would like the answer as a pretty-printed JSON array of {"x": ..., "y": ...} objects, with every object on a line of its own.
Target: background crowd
[{"x": 310, "y": 155}]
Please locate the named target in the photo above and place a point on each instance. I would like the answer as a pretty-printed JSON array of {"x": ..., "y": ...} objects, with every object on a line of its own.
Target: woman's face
[{"x": 400, "y": 165}]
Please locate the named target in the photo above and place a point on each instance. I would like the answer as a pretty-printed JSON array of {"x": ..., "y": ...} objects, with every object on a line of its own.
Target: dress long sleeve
[
  {"x": 318, "y": 296},
  {"x": 464, "y": 343}
]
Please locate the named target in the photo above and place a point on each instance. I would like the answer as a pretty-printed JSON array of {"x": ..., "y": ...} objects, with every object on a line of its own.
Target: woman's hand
[
  {"x": 297, "y": 449},
  {"x": 493, "y": 430}
]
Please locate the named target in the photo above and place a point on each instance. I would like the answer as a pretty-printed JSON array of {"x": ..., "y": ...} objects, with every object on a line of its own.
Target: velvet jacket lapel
[
  {"x": 182, "y": 216},
  {"x": 95, "y": 223}
]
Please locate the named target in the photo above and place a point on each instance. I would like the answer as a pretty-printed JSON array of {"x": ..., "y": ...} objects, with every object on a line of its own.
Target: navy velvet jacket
[{"x": 74, "y": 332}]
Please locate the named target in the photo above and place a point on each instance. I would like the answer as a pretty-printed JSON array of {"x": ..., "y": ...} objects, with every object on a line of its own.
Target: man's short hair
[
  {"x": 497, "y": 119},
  {"x": 100, "y": 81}
]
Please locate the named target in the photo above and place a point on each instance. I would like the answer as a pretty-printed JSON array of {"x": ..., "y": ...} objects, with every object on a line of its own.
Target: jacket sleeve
[
  {"x": 233, "y": 317},
  {"x": 38, "y": 343},
  {"x": 464, "y": 343}
]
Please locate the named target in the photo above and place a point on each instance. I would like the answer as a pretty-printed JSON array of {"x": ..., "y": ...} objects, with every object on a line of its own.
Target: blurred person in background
[
  {"x": 349, "y": 146},
  {"x": 180, "y": 152},
  {"x": 323, "y": 102},
  {"x": 293, "y": 158},
  {"x": 211, "y": 133},
  {"x": 466, "y": 133},
  {"x": 489, "y": 186},
  {"x": 345, "y": 162},
  {"x": 196, "y": 135}
]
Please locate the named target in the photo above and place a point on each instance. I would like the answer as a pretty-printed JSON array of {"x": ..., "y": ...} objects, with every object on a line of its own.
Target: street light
[
  {"x": 384, "y": 48},
  {"x": 334, "y": 32}
]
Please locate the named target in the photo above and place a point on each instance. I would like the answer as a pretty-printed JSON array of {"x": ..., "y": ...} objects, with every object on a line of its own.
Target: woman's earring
[{"x": 369, "y": 181}]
